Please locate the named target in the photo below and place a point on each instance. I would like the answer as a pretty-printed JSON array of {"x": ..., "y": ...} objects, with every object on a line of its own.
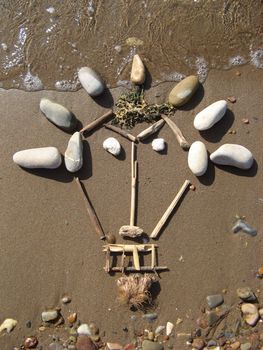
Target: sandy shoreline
[{"x": 48, "y": 247}]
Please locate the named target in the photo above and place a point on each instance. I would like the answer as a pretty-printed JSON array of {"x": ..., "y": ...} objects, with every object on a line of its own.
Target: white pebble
[
  {"x": 250, "y": 313},
  {"x": 8, "y": 325},
  {"x": 84, "y": 329},
  {"x": 49, "y": 315},
  {"x": 45, "y": 157},
  {"x": 210, "y": 115},
  {"x": 169, "y": 328},
  {"x": 112, "y": 146},
  {"x": 197, "y": 158},
  {"x": 158, "y": 145},
  {"x": 137, "y": 71},
  {"x": 232, "y": 154},
  {"x": 90, "y": 81},
  {"x": 74, "y": 153}
]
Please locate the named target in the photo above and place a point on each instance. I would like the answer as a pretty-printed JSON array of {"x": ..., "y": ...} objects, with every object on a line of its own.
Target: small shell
[
  {"x": 169, "y": 328},
  {"x": 112, "y": 146},
  {"x": 158, "y": 145},
  {"x": 8, "y": 324}
]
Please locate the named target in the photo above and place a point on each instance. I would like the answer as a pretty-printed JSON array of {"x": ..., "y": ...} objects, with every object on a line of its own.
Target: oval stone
[
  {"x": 91, "y": 81},
  {"x": 34, "y": 158},
  {"x": 234, "y": 155},
  {"x": 183, "y": 91},
  {"x": 209, "y": 116},
  {"x": 74, "y": 153},
  {"x": 197, "y": 158},
  {"x": 58, "y": 114},
  {"x": 137, "y": 71}
]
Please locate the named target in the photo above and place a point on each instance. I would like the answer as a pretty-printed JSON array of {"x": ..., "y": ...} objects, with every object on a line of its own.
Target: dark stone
[{"x": 214, "y": 300}]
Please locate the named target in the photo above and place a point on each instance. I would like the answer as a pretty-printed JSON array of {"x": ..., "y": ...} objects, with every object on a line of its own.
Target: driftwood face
[{"x": 130, "y": 231}]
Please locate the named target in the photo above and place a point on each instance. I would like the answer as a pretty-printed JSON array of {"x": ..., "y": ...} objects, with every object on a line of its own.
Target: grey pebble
[
  {"x": 246, "y": 294},
  {"x": 242, "y": 225},
  {"x": 28, "y": 324},
  {"x": 55, "y": 346},
  {"x": 211, "y": 343},
  {"x": 214, "y": 300},
  {"x": 150, "y": 317}
]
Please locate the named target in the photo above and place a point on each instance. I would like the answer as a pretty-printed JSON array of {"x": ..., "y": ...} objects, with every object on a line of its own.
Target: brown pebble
[
  {"x": 232, "y": 99},
  {"x": 66, "y": 299},
  {"x": 41, "y": 328},
  {"x": 85, "y": 343},
  {"x": 110, "y": 238},
  {"x": 30, "y": 342},
  {"x": 235, "y": 345},
  {"x": 198, "y": 343},
  {"x": 192, "y": 187},
  {"x": 166, "y": 337},
  {"x": 245, "y": 121},
  {"x": 94, "y": 328},
  {"x": 238, "y": 73},
  {"x": 150, "y": 335},
  {"x": 72, "y": 318},
  {"x": 202, "y": 323},
  {"x": 95, "y": 338}
]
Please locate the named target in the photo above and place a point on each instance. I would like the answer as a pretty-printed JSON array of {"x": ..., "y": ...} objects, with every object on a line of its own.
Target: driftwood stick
[
  {"x": 178, "y": 133},
  {"x": 133, "y": 185},
  {"x": 169, "y": 210},
  {"x": 142, "y": 269},
  {"x": 128, "y": 248},
  {"x": 91, "y": 212},
  {"x": 120, "y": 132},
  {"x": 151, "y": 130},
  {"x": 97, "y": 122}
]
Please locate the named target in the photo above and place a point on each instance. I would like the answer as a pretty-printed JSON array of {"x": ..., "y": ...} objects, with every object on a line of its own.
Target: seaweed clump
[
  {"x": 134, "y": 290},
  {"x": 131, "y": 109}
]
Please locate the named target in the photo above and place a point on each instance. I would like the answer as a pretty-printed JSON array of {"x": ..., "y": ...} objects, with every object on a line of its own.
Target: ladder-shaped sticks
[{"x": 135, "y": 250}]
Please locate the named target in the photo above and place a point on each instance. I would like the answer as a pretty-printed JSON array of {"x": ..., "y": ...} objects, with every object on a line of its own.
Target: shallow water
[{"x": 43, "y": 43}]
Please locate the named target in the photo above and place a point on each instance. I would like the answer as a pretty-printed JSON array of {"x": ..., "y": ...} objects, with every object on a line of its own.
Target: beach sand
[{"x": 49, "y": 248}]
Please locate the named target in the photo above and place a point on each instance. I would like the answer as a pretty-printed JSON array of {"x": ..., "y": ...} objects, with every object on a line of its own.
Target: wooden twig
[
  {"x": 178, "y": 133},
  {"x": 169, "y": 210},
  {"x": 151, "y": 130},
  {"x": 91, "y": 212},
  {"x": 128, "y": 248},
  {"x": 97, "y": 122},
  {"x": 142, "y": 268},
  {"x": 120, "y": 132},
  {"x": 133, "y": 185}
]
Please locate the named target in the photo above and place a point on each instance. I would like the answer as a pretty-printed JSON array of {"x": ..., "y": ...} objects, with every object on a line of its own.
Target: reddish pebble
[
  {"x": 72, "y": 317},
  {"x": 129, "y": 346},
  {"x": 232, "y": 99},
  {"x": 260, "y": 271},
  {"x": 198, "y": 343},
  {"x": 85, "y": 343},
  {"x": 30, "y": 342},
  {"x": 245, "y": 121},
  {"x": 166, "y": 337},
  {"x": 202, "y": 323}
]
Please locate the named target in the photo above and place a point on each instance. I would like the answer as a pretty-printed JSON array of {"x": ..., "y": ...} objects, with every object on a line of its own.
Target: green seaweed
[{"x": 131, "y": 109}]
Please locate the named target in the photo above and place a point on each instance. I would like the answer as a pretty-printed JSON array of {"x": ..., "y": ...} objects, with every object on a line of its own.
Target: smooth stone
[
  {"x": 74, "y": 153},
  {"x": 34, "y": 158},
  {"x": 85, "y": 343},
  {"x": 235, "y": 345},
  {"x": 84, "y": 329},
  {"x": 137, "y": 71},
  {"x": 245, "y": 346},
  {"x": 112, "y": 146},
  {"x": 211, "y": 343},
  {"x": 91, "y": 81},
  {"x": 234, "y": 155},
  {"x": 150, "y": 345},
  {"x": 212, "y": 318},
  {"x": 183, "y": 91},
  {"x": 198, "y": 158},
  {"x": 246, "y": 294},
  {"x": 209, "y": 116},
  {"x": 8, "y": 325},
  {"x": 66, "y": 299},
  {"x": 49, "y": 315},
  {"x": 214, "y": 300},
  {"x": 158, "y": 145},
  {"x": 58, "y": 114},
  {"x": 250, "y": 313},
  {"x": 198, "y": 343}
]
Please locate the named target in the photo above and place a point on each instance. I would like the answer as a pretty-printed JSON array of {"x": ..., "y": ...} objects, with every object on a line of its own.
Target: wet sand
[{"x": 48, "y": 247}]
